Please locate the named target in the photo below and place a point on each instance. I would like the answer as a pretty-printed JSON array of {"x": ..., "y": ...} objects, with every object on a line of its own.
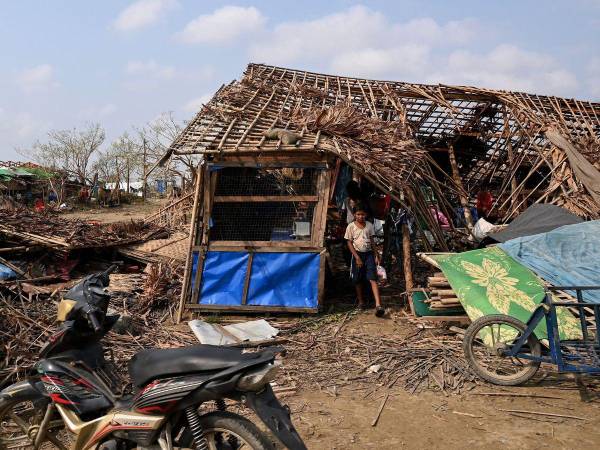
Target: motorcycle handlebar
[
  {"x": 110, "y": 269},
  {"x": 94, "y": 322}
]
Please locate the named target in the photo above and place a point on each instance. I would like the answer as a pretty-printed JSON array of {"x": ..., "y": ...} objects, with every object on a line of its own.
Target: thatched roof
[{"x": 392, "y": 132}]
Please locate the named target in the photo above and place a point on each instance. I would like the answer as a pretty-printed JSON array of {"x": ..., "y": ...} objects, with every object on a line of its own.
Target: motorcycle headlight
[
  {"x": 257, "y": 378},
  {"x": 64, "y": 308}
]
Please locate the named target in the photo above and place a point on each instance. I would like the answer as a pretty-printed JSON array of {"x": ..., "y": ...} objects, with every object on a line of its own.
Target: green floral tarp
[{"x": 489, "y": 281}]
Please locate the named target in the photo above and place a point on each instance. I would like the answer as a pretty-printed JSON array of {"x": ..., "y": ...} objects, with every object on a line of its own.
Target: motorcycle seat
[{"x": 150, "y": 364}]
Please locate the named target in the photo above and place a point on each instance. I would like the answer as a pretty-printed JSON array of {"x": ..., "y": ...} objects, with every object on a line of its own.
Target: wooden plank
[
  {"x": 302, "y": 161},
  {"x": 199, "y": 268},
  {"x": 271, "y": 244},
  {"x": 251, "y": 308},
  {"x": 217, "y": 247},
  {"x": 265, "y": 198},
  {"x": 187, "y": 277},
  {"x": 460, "y": 319},
  {"x": 209, "y": 183},
  {"x": 408, "y": 278},
  {"x": 321, "y": 218},
  {"x": 464, "y": 201},
  {"x": 247, "y": 278},
  {"x": 321, "y": 282}
]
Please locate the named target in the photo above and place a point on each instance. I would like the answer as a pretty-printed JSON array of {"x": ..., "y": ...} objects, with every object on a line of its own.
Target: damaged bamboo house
[{"x": 276, "y": 142}]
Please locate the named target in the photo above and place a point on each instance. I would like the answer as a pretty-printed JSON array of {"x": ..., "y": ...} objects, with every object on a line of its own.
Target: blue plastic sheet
[
  {"x": 277, "y": 279},
  {"x": 284, "y": 279},
  {"x": 6, "y": 273},
  {"x": 566, "y": 256},
  {"x": 223, "y": 278}
]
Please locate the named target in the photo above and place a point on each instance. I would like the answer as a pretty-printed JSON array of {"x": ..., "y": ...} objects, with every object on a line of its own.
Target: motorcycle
[{"x": 73, "y": 400}]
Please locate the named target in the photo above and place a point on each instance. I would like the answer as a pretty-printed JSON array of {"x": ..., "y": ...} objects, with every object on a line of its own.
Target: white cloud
[
  {"x": 194, "y": 105},
  {"x": 593, "y": 77},
  {"x": 223, "y": 26},
  {"x": 506, "y": 67},
  {"x": 149, "y": 68},
  {"x": 363, "y": 42},
  {"x": 97, "y": 112},
  {"x": 20, "y": 126},
  {"x": 410, "y": 59},
  {"x": 38, "y": 78},
  {"x": 142, "y": 14}
]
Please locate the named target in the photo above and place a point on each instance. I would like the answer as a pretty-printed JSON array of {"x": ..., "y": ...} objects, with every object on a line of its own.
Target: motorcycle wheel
[
  {"x": 227, "y": 431},
  {"x": 484, "y": 341},
  {"x": 20, "y": 421}
]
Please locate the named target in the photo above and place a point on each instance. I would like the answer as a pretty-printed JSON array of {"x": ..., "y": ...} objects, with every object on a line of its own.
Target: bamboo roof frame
[{"x": 510, "y": 126}]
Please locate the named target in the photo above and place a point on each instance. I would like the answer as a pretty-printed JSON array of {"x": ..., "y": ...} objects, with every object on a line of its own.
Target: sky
[{"x": 124, "y": 63}]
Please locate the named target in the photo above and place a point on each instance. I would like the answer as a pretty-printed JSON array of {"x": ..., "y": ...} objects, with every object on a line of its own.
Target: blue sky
[{"x": 123, "y": 63}]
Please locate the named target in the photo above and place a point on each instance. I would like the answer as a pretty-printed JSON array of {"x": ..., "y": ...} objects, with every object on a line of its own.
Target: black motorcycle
[{"x": 74, "y": 399}]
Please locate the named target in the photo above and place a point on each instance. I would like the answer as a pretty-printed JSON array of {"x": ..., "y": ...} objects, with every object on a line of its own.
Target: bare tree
[
  {"x": 123, "y": 160},
  {"x": 69, "y": 150},
  {"x": 158, "y": 136}
]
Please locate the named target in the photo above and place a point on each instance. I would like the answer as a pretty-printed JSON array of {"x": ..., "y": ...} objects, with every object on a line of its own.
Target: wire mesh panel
[
  {"x": 249, "y": 181},
  {"x": 262, "y": 221}
]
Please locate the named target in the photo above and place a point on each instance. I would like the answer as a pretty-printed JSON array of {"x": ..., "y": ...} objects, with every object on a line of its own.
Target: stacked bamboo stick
[{"x": 441, "y": 295}]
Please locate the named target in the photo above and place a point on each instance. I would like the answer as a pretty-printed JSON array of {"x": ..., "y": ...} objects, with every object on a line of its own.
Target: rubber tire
[
  {"x": 232, "y": 422},
  {"x": 8, "y": 403},
  {"x": 477, "y": 325}
]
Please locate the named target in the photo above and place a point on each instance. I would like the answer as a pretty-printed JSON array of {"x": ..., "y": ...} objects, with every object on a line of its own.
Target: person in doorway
[
  {"x": 354, "y": 197},
  {"x": 363, "y": 266}
]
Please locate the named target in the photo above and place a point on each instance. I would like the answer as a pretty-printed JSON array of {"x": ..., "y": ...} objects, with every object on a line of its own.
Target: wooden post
[
  {"x": 145, "y": 177},
  {"x": 464, "y": 201},
  {"x": 187, "y": 277},
  {"x": 513, "y": 182},
  {"x": 247, "y": 278},
  {"x": 128, "y": 174},
  {"x": 408, "y": 278}
]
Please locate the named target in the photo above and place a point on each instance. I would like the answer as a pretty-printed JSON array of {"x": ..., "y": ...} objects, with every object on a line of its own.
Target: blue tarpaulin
[
  {"x": 566, "y": 256},
  {"x": 6, "y": 273},
  {"x": 276, "y": 279},
  {"x": 284, "y": 279},
  {"x": 223, "y": 278}
]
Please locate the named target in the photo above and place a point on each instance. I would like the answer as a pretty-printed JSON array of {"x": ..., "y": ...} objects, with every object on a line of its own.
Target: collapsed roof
[{"x": 394, "y": 133}]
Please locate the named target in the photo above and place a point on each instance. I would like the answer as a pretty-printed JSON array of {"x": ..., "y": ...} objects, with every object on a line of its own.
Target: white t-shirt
[{"x": 360, "y": 237}]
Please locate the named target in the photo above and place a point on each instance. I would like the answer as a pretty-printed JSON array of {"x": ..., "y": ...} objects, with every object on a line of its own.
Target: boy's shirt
[{"x": 360, "y": 237}]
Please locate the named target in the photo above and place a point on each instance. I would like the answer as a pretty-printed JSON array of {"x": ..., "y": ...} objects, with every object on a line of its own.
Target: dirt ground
[
  {"x": 343, "y": 420},
  {"x": 434, "y": 420},
  {"x": 134, "y": 211}
]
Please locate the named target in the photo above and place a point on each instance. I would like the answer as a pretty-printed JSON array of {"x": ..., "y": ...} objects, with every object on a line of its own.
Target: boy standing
[{"x": 359, "y": 235}]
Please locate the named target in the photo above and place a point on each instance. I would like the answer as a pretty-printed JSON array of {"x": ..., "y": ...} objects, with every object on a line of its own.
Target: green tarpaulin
[{"x": 488, "y": 281}]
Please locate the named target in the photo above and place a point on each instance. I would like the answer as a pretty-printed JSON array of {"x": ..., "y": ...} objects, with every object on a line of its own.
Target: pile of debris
[
  {"x": 320, "y": 353},
  {"x": 146, "y": 300},
  {"x": 50, "y": 229}
]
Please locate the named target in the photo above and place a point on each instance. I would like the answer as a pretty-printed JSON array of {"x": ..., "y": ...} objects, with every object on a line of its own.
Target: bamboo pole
[
  {"x": 408, "y": 277},
  {"x": 193, "y": 227},
  {"x": 464, "y": 201}
]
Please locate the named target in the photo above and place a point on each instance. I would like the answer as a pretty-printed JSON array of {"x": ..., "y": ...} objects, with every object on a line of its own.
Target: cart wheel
[{"x": 483, "y": 342}]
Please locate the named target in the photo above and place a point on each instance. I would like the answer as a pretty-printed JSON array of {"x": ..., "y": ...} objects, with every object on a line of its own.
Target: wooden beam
[
  {"x": 251, "y": 308},
  {"x": 464, "y": 202},
  {"x": 218, "y": 247},
  {"x": 187, "y": 277},
  {"x": 271, "y": 244},
  {"x": 247, "y": 278},
  {"x": 265, "y": 198},
  {"x": 408, "y": 278}
]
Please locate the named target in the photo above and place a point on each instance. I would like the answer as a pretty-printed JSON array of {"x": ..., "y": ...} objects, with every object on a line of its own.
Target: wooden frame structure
[
  {"x": 453, "y": 140},
  {"x": 203, "y": 208}
]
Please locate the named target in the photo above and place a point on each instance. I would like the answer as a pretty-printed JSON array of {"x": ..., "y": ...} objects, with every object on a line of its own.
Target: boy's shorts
[{"x": 368, "y": 271}]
